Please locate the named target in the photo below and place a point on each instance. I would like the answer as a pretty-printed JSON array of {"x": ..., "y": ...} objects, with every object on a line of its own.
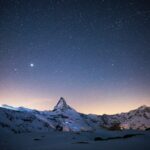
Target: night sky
[{"x": 94, "y": 53}]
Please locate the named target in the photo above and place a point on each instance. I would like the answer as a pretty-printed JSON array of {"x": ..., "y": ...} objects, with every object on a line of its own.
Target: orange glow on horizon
[
  {"x": 92, "y": 102},
  {"x": 86, "y": 107}
]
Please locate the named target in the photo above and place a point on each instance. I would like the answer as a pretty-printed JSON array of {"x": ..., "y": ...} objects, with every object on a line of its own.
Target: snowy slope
[
  {"x": 17, "y": 108},
  {"x": 19, "y": 121},
  {"x": 138, "y": 119},
  {"x": 68, "y": 118}
]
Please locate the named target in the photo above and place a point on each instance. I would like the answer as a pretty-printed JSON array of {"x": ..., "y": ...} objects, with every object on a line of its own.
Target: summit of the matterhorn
[{"x": 61, "y": 105}]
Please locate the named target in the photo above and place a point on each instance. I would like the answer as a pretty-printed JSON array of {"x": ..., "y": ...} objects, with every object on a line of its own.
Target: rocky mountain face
[
  {"x": 62, "y": 105},
  {"x": 65, "y": 118}
]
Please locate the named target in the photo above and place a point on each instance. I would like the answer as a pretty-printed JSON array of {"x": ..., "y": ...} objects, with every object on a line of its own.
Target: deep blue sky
[{"x": 95, "y": 53}]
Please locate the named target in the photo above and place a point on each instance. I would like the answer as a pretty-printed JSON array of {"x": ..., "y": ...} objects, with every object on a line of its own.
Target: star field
[{"x": 95, "y": 53}]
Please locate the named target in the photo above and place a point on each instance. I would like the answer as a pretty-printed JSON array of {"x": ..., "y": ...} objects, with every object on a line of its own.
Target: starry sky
[{"x": 94, "y": 53}]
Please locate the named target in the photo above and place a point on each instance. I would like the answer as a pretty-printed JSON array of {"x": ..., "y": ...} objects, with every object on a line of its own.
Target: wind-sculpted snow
[{"x": 65, "y": 118}]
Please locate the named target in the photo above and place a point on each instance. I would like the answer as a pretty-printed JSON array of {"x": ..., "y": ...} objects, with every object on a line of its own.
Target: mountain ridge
[
  {"x": 68, "y": 106},
  {"x": 65, "y": 118}
]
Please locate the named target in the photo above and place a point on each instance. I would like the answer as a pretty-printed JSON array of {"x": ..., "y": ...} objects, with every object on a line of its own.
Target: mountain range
[{"x": 65, "y": 118}]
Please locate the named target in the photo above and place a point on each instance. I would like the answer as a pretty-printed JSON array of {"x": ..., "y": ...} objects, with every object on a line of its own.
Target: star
[{"x": 31, "y": 65}]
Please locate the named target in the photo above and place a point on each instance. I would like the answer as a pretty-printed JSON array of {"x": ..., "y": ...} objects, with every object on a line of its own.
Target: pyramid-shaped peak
[
  {"x": 61, "y": 105},
  {"x": 61, "y": 102}
]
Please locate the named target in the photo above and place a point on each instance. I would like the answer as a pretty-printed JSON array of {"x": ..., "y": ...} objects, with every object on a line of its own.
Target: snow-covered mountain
[
  {"x": 17, "y": 108},
  {"x": 138, "y": 119},
  {"x": 65, "y": 118}
]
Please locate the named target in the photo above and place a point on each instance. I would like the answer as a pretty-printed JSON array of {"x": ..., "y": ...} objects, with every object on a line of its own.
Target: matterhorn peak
[{"x": 61, "y": 105}]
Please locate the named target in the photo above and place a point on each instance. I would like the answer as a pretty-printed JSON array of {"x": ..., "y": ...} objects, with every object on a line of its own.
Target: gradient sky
[{"x": 94, "y": 53}]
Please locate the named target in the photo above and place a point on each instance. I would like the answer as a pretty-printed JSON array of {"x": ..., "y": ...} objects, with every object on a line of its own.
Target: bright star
[{"x": 31, "y": 65}]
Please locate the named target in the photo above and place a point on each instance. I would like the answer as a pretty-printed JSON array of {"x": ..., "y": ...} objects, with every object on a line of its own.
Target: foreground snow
[{"x": 72, "y": 141}]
